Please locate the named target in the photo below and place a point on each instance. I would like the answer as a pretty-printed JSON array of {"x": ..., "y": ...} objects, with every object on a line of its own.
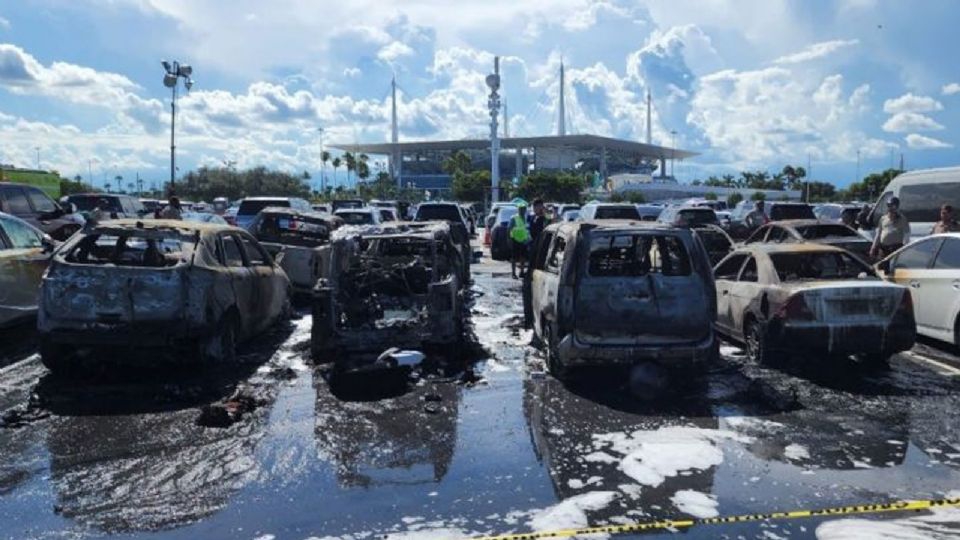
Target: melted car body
[
  {"x": 300, "y": 236},
  {"x": 395, "y": 285},
  {"x": 158, "y": 283}
]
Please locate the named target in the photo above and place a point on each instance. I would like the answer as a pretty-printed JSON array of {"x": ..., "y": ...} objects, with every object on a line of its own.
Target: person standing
[
  {"x": 172, "y": 210},
  {"x": 892, "y": 233},
  {"x": 538, "y": 222},
  {"x": 519, "y": 238},
  {"x": 757, "y": 217},
  {"x": 947, "y": 222}
]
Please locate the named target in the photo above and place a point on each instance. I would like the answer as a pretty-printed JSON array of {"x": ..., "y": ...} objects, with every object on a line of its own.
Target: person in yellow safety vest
[{"x": 519, "y": 238}]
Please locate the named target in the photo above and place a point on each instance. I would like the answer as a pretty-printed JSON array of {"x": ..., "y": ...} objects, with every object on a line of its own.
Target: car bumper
[
  {"x": 573, "y": 352},
  {"x": 141, "y": 335},
  {"x": 844, "y": 339}
]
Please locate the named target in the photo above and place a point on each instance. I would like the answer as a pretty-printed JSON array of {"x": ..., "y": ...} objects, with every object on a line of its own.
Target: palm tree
[
  {"x": 324, "y": 158},
  {"x": 336, "y": 165},
  {"x": 351, "y": 162}
]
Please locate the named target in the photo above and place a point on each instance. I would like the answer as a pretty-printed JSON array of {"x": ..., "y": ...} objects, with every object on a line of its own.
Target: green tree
[
  {"x": 758, "y": 196},
  {"x": 553, "y": 187},
  {"x": 470, "y": 186},
  {"x": 821, "y": 191},
  {"x": 336, "y": 166},
  {"x": 636, "y": 197},
  {"x": 710, "y": 196},
  {"x": 458, "y": 161},
  {"x": 734, "y": 199},
  {"x": 351, "y": 162},
  {"x": 324, "y": 159}
]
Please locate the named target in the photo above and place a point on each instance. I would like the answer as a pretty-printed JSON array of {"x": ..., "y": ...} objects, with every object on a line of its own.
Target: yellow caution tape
[{"x": 898, "y": 506}]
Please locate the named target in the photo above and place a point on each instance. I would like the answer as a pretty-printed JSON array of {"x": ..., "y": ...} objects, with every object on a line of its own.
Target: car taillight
[{"x": 795, "y": 309}]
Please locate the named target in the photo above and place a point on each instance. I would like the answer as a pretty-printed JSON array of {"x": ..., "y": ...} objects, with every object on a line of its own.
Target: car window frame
[
  {"x": 915, "y": 246},
  {"x": 264, "y": 254},
  {"x": 232, "y": 235},
  {"x": 736, "y": 274},
  {"x": 743, "y": 269},
  {"x": 936, "y": 258},
  {"x": 552, "y": 254}
]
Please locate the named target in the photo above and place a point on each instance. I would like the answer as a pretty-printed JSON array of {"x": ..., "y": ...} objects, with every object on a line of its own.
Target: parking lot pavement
[{"x": 478, "y": 443}]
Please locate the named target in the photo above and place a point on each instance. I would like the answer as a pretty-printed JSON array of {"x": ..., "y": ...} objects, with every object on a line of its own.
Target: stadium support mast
[{"x": 562, "y": 109}]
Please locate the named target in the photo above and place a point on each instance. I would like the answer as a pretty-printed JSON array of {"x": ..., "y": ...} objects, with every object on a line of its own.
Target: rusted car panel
[
  {"x": 158, "y": 283},
  {"x": 814, "y": 232},
  {"x": 394, "y": 285},
  {"x": 810, "y": 298},
  {"x": 24, "y": 255},
  {"x": 619, "y": 292},
  {"x": 300, "y": 236}
]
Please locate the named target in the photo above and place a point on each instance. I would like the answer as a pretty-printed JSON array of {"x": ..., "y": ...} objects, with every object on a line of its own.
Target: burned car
[
  {"x": 808, "y": 297},
  {"x": 394, "y": 285},
  {"x": 24, "y": 255},
  {"x": 619, "y": 293},
  {"x": 194, "y": 288},
  {"x": 815, "y": 232},
  {"x": 300, "y": 235}
]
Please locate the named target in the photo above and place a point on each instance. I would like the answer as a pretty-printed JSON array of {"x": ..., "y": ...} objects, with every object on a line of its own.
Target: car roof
[
  {"x": 615, "y": 225},
  {"x": 805, "y": 247},
  {"x": 92, "y": 194},
  {"x": 265, "y": 199},
  {"x": 801, "y": 222},
  {"x": 294, "y": 212}
]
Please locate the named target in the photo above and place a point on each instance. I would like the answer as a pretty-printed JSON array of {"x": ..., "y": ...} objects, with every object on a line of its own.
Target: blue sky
[{"x": 749, "y": 84}]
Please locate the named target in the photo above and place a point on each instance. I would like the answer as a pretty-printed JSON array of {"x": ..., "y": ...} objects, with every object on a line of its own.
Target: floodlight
[
  {"x": 186, "y": 70},
  {"x": 493, "y": 81},
  {"x": 169, "y": 80},
  {"x": 166, "y": 65}
]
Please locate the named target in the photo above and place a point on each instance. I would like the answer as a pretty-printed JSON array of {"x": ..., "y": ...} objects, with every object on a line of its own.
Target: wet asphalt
[{"x": 481, "y": 442}]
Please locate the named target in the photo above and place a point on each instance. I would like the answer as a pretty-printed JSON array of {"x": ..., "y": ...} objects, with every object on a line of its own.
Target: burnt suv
[
  {"x": 32, "y": 205},
  {"x": 620, "y": 293}
]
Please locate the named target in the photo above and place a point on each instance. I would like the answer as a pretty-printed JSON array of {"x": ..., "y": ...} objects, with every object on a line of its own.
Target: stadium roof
[{"x": 585, "y": 142}]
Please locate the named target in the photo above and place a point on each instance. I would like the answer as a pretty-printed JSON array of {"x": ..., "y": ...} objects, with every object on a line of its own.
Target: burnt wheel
[
  {"x": 221, "y": 347},
  {"x": 554, "y": 364},
  {"x": 758, "y": 346},
  {"x": 55, "y": 358},
  {"x": 874, "y": 361}
]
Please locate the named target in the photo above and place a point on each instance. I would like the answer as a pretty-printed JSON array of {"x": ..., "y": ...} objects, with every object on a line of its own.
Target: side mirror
[{"x": 48, "y": 244}]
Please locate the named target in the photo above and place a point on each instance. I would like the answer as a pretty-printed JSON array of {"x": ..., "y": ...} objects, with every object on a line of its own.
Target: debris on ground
[
  {"x": 230, "y": 410},
  {"x": 395, "y": 357}
]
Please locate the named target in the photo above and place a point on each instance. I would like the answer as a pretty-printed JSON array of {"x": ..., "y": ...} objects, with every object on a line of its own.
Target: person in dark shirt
[{"x": 538, "y": 221}]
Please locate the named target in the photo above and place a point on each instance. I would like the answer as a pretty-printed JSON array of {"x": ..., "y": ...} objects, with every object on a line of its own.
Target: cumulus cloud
[
  {"x": 4, "y": 23},
  {"x": 920, "y": 142},
  {"x": 393, "y": 51},
  {"x": 815, "y": 51},
  {"x": 911, "y": 103},
  {"x": 908, "y": 121},
  {"x": 951, "y": 89}
]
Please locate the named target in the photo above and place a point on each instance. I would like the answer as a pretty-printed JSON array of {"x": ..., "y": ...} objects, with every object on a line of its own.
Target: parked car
[
  {"x": 299, "y": 235},
  {"x": 324, "y": 208},
  {"x": 251, "y": 206},
  {"x": 24, "y": 255},
  {"x": 500, "y": 247},
  {"x": 813, "y": 231},
  {"x": 395, "y": 286},
  {"x": 688, "y": 216},
  {"x": 203, "y": 217},
  {"x": 32, "y": 205},
  {"x": 341, "y": 204},
  {"x": 845, "y": 214},
  {"x": 570, "y": 215},
  {"x": 776, "y": 211},
  {"x": 783, "y": 298},
  {"x": 565, "y": 208},
  {"x": 387, "y": 214},
  {"x": 921, "y": 193},
  {"x": 193, "y": 289},
  {"x": 717, "y": 242},
  {"x": 931, "y": 268},
  {"x": 111, "y": 205},
  {"x": 459, "y": 230},
  {"x": 359, "y": 216},
  {"x": 150, "y": 206},
  {"x": 603, "y": 293},
  {"x": 649, "y": 212},
  {"x": 593, "y": 211},
  {"x": 470, "y": 217}
]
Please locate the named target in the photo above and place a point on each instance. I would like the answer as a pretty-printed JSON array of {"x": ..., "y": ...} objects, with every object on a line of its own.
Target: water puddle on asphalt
[{"x": 473, "y": 446}]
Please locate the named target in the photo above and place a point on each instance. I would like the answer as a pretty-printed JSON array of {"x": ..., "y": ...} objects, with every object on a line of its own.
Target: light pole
[
  {"x": 493, "y": 103},
  {"x": 323, "y": 164},
  {"x": 174, "y": 72}
]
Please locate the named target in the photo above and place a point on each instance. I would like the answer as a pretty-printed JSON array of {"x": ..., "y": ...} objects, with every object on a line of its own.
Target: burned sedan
[
  {"x": 394, "y": 285},
  {"x": 814, "y": 232},
  {"x": 300, "y": 235},
  {"x": 619, "y": 293},
  {"x": 193, "y": 288},
  {"x": 805, "y": 297}
]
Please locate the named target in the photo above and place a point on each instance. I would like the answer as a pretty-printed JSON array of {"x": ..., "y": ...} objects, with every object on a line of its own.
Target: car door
[
  {"x": 725, "y": 277},
  {"x": 943, "y": 284},
  {"x": 742, "y": 295},
  {"x": 270, "y": 282},
  {"x": 758, "y": 235},
  {"x": 243, "y": 279},
  {"x": 23, "y": 260},
  {"x": 910, "y": 267},
  {"x": 546, "y": 279}
]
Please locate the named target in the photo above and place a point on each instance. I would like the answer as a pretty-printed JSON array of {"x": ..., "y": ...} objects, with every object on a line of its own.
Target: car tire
[
  {"x": 54, "y": 358},
  {"x": 757, "y": 344},
  {"x": 220, "y": 348},
  {"x": 554, "y": 364},
  {"x": 875, "y": 361}
]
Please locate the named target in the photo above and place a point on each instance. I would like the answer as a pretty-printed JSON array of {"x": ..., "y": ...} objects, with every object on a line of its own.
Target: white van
[{"x": 921, "y": 194}]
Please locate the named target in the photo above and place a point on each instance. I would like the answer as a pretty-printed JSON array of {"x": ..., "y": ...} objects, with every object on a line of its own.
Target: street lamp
[
  {"x": 323, "y": 164},
  {"x": 175, "y": 72},
  {"x": 493, "y": 104}
]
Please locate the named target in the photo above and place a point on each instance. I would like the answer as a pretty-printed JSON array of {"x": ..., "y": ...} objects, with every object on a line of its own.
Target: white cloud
[
  {"x": 815, "y": 51},
  {"x": 951, "y": 89},
  {"x": 911, "y": 103},
  {"x": 920, "y": 142},
  {"x": 394, "y": 51},
  {"x": 4, "y": 23},
  {"x": 352, "y": 72},
  {"x": 908, "y": 121}
]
